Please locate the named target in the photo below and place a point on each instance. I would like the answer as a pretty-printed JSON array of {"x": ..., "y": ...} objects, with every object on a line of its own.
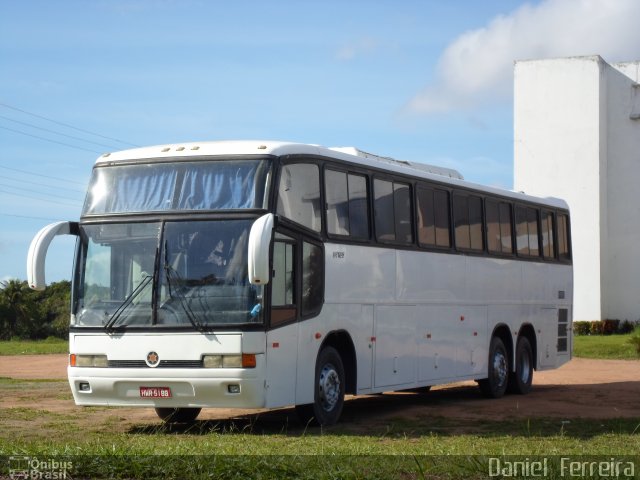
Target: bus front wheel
[
  {"x": 328, "y": 389},
  {"x": 178, "y": 415},
  {"x": 495, "y": 385}
]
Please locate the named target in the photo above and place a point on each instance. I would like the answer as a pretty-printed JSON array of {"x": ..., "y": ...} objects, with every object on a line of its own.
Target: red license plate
[{"x": 155, "y": 392}]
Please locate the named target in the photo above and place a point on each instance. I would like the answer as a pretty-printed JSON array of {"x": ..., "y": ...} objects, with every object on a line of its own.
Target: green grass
[
  {"x": 604, "y": 347},
  {"x": 32, "y": 347},
  {"x": 433, "y": 447}
]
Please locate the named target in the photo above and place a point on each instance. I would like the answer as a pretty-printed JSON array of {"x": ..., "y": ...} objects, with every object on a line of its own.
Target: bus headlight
[
  {"x": 96, "y": 361},
  {"x": 246, "y": 360}
]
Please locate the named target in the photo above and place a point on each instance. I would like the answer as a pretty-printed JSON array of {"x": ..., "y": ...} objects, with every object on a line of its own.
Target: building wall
[
  {"x": 574, "y": 139},
  {"x": 557, "y": 143},
  {"x": 621, "y": 279}
]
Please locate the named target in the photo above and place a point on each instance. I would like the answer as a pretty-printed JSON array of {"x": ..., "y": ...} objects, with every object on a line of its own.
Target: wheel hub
[
  {"x": 329, "y": 387},
  {"x": 500, "y": 369}
]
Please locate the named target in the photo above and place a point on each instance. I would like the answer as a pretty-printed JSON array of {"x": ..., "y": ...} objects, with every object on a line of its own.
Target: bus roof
[{"x": 185, "y": 151}]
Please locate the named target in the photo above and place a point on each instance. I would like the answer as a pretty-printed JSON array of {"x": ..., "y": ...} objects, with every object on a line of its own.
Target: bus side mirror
[
  {"x": 259, "y": 245},
  {"x": 38, "y": 251}
]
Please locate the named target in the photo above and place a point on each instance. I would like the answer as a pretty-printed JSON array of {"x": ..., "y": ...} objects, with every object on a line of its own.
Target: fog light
[
  {"x": 84, "y": 387},
  {"x": 233, "y": 388}
]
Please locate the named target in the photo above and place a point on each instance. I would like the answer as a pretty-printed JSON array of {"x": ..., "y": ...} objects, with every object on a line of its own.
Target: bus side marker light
[
  {"x": 275, "y": 345},
  {"x": 462, "y": 318},
  {"x": 248, "y": 361},
  {"x": 318, "y": 335}
]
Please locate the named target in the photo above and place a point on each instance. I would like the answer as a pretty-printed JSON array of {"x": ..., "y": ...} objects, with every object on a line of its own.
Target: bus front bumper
[{"x": 186, "y": 388}]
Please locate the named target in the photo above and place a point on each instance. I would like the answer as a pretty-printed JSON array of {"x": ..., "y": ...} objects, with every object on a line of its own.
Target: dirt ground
[{"x": 596, "y": 389}]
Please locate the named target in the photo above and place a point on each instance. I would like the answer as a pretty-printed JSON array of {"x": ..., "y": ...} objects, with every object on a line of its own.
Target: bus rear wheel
[
  {"x": 495, "y": 385},
  {"x": 178, "y": 415},
  {"x": 328, "y": 392},
  {"x": 520, "y": 380}
]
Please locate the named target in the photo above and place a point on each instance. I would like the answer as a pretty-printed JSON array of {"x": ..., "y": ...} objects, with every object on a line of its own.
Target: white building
[{"x": 577, "y": 136}]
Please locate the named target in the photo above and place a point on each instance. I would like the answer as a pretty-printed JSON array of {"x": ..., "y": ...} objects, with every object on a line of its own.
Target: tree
[
  {"x": 28, "y": 314},
  {"x": 18, "y": 309}
]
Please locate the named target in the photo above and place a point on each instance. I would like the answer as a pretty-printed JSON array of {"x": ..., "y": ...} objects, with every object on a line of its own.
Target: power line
[
  {"x": 67, "y": 125},
  {"x": 48, "y": 200},
  {"x": 57, "y": 133},
  {"x": 49, "y": 140},
  {"x": 41, "y": 175},
  {"x": 31, "y": 191},
  {"x": 28, "y": 216},
  {"x": 43, "y": 184}
]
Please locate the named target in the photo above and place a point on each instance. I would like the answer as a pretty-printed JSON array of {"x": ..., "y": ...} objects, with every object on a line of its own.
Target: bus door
[{"x": 282, "y": 335}]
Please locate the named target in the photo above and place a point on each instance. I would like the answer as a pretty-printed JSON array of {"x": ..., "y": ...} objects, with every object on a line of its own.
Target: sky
[{"x": 428, "y": 81}]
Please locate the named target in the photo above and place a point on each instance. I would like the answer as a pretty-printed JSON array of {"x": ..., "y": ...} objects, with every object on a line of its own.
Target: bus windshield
[
  {"x": 186, "y": 273},
  {"x": 180, "y": 185}
]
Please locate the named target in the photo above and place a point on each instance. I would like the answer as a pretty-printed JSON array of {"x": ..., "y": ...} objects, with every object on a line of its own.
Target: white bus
[{"x": 266, "y": 274}]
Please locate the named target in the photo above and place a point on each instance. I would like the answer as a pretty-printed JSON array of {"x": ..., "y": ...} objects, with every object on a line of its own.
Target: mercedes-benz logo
[{"x": 153, "y": 359}]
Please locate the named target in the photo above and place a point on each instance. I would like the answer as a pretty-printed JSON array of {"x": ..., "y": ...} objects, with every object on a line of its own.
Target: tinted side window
[
  {"x": 564, "y": 251},
  {"x": 358, "y": 206},
  {"x": 347, "y": 204},
  {"x": 337, "y": 197},
  {"x": 402, "y": 211},
  {"x": 467, "y": 214},
  {"x": 392, "y": 211},
  {"x": 498, "y": 218},
  {"x": 527, "y": 231},
  {"x": 548, "y": 250},
  {"x": 433, "y": 217},
  {"x": 475, "y": 222},
  {"x": 299, "y": 194},
  {"x": 384, "y": 211},
  {"x": 312, "y": 283}
]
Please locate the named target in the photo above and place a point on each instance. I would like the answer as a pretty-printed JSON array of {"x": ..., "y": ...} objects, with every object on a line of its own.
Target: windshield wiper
[
  {"x": 171, "y": 274},
  {"x": 128, "y": 301}
]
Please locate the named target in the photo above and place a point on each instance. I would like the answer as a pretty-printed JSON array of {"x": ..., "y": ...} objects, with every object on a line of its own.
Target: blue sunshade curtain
[{"x": 216, "y": 185}]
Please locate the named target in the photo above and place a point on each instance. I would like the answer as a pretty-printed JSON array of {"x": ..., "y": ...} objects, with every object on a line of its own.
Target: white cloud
[
  {"x": 477, "y": 67},
  {"x": 357, "y": 48}
]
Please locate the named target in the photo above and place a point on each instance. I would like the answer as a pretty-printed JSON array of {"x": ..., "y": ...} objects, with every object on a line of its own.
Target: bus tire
[
  {"x": 495, "y": 385},
  {"x": 178, "y": 415},
  {"x": 520, "y": 380},
  {"x": 328, "y": 390}
]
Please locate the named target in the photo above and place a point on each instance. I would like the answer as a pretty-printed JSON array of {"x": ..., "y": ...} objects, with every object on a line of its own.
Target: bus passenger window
[
  {"x": 433, "y": 217},
  {"x": 337, "y": 198},
  {"x": 527, "y": 231},
  {"x": 392, "y": 210},
  {"x": 358, "y": 206},
  {"x": 347, "y": 204},
  {"x": 498, "y": 219},
  {"x": 299, "y": 194},
  {"x": 564, "y": 252},
  {"x": 467, "y": 212},
  {"x": 383, "y": 209},
  {"x": 548, "y": 250}
]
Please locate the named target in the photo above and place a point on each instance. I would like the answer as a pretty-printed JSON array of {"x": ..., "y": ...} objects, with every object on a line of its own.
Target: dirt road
[{"x": 580, "y": 389}]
